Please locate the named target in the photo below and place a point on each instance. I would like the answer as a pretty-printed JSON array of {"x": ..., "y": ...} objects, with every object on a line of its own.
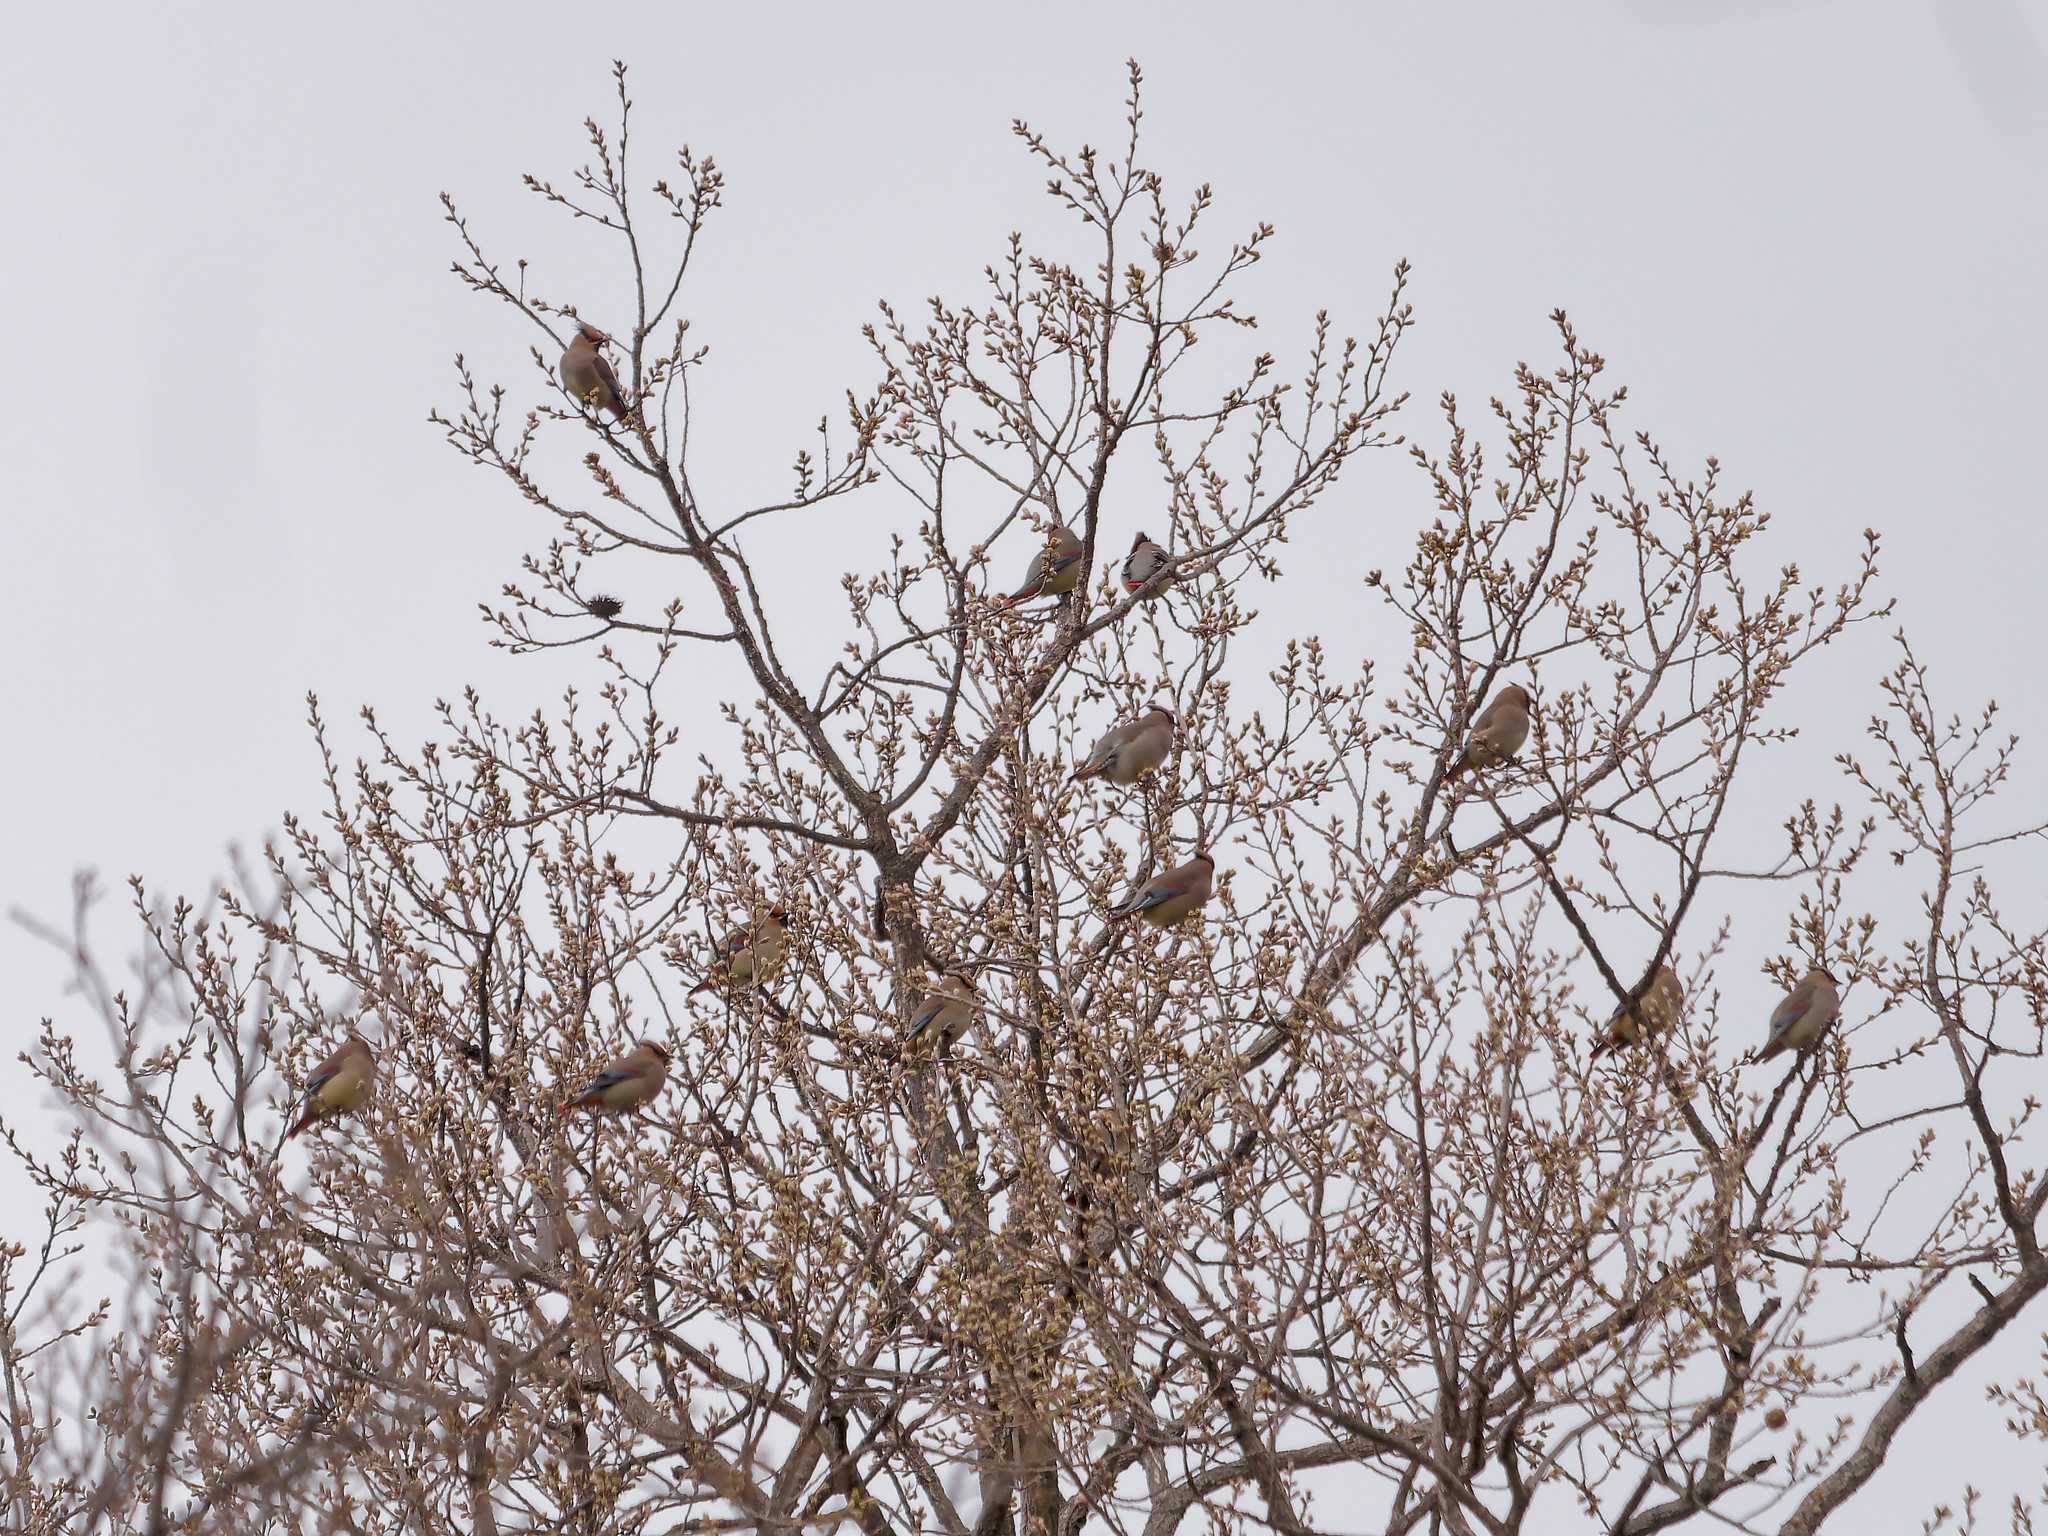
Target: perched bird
[
  {"x": 1054, "y": 569},
  {"x": 1807, "y": 1010},
  {"x": 1128, "y": 752},
  {"x": 625, "y": 1082},
  {"x": 1166, "y": 899},
  {"x": 1497, "y": 734},
  {"x": 1145, "y": 561},
  {"x": 943, "y": 1013},
  {"x": 339, "y": 1084},
  {"x": 587, "y": 372},
  {"x": 750, "y": 955},
  {"x": 1658, "y": 1011}
]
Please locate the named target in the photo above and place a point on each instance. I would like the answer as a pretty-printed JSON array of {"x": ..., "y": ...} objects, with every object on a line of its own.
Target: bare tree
[{"x": 1311, "y": 1212}]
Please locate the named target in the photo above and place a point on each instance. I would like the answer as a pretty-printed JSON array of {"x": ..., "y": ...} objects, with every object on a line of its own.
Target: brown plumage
[
  {"x": 1804, "y": 1014},
  {"x": 750, "y": 954},
  {"x": 587, "y": 372},
  {"x": 1497, "y": 734},
  {"x": 1128, "y": 752},
  {"x": 1658, "y": 1010},
  {"x": 1172, "y": 897},
  {"x": 943, "y": 1013},
  {"x": 1055, "y": 569},
  {"x": 1145, "y": 561},
  {"x": 624, "y": 1083},
  {"x": 339, "y": 1084}
]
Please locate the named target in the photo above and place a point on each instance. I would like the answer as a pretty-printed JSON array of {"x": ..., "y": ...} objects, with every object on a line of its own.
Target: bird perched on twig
[
  {"x": 623, "y": 1083},
  {"x": 1054, "y": 570},
  {"x": 750, "y": 955},
  {"x": 587, "y": 372},
  {"x": 339, "y": 1084},
  {"x": 1659, "y": 1009},
  {"x": 1145, "y": 561},
  {"x": 1497, "y": 734},
  {"x": 1127, "y": 752},
  {"x": 944, "y": 1011},
  {"x": 1804, "y": 1013},
  {"x": 1172, "y": 897}
]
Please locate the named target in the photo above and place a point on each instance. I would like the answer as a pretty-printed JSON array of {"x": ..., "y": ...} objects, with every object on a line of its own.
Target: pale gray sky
[{"x": 1809, "y": 235}]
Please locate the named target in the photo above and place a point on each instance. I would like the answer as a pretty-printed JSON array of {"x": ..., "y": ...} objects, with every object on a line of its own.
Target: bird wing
[
  {"x": 612, "y": 1076},
  {"x": 1796, "y": 1005},
  {"x": 1104, "y": 752},
  {"x": 1163, "y": 889},
  {"x": 1034, "y": 579},
  {"x": 326, "y": 1072}
]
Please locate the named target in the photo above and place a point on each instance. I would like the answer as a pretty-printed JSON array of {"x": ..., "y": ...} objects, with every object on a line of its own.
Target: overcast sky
[{"x": 1810, "y": 236}]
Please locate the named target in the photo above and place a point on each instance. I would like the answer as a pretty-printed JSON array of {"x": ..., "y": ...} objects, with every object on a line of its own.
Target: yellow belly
[{"x": 1173, "y": 910}]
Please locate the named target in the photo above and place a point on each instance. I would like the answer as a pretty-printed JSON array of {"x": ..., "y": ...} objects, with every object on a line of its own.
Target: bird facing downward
[
  {"x": 1804, "y": 1013},
  {"x": 1497, "y": 734},
  {"x": 750, "y": 955},
  {"x": 1127, "y": 752},
  {"x": 1172, "y": 897},
  {"x": 339, "y": 1084},
  {"x": 944, "y": 1012},
  {"x": 1054, "y": 570},
  {"x": 587, "y": 372},
  {"x": 1145, "y": 561},
  {"x": 623, "y": 1083},
  {"x": 1659, "y": 1009}
]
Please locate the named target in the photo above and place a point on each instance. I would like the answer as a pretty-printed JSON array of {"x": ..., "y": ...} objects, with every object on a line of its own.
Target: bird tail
[
  {"x": 1085, "y": 771},
  {"x": 1023, "y": 594},
  {"x": 563, "y": 1109},
  {"x": 305, "y": 1120},
  {"x": 1771, "y": 1048},
  {"x": 706, "y": 985},
  {"x": 1601, "y": 1047},
  {"x": 1462, "y": 765}
]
